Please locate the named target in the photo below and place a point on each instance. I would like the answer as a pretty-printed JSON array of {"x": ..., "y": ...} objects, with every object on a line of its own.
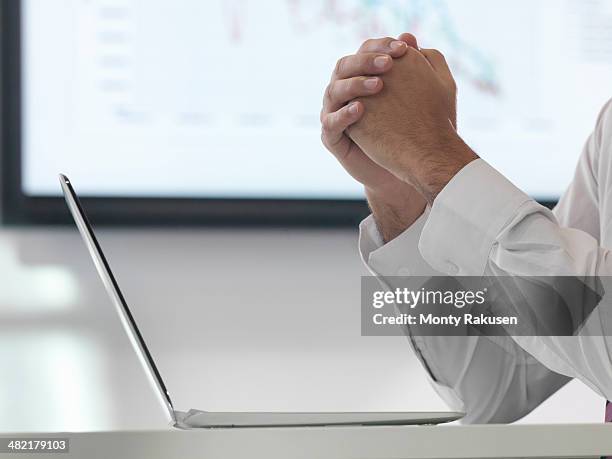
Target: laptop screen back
[{"x": 112, "y": 288}]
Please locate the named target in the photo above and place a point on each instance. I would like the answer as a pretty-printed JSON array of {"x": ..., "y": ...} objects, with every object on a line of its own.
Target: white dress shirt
[{"x": 481, "y": 224}]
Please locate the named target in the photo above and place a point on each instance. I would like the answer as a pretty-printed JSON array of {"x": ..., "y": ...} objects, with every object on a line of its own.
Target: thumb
[{"x": 409, "y": 39}]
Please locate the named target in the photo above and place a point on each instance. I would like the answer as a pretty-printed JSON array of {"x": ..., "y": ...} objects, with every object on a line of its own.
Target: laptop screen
[{"x": 112, "y": 288}]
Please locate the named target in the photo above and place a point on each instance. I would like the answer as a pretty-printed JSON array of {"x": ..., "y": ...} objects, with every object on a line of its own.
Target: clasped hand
[{"x": 389, "y": 115}]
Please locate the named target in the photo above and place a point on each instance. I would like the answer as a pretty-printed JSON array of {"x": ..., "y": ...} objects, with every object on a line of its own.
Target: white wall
[{"x": 237, "y": 320}]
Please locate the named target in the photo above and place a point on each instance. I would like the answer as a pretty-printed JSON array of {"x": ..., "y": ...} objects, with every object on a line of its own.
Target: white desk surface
[{"x": 491, "y": 441}]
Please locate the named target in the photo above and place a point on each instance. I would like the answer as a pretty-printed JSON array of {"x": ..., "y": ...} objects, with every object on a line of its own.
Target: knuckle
[
  {"x": 328, "y": 92},
  {"x": 383, "y": 45},
  {"x": 322, "y": 114},
  {"x": 325, "y": 125},
  {"x": 329, "y": 131},
  {"x": 368, "y": 43},
  {"x": 340, "y": 65},
  {"x": 329, "y": 123},
  {"x": 332, "y": 91},
  {"x": 436, "y": 55},
  {"x": 336, "y": 91},
  {"x": 373, "y": 44}
]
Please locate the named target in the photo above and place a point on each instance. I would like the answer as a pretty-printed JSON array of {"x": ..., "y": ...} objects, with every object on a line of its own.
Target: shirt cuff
[
  {"x": 399, "y": 257},
  {"x": 466, "y": 219}
]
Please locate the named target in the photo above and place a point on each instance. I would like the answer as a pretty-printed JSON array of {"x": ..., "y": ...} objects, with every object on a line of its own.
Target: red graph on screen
[
  {"x": 371, "y": 18},
  {"x": 235, "y": 12}
]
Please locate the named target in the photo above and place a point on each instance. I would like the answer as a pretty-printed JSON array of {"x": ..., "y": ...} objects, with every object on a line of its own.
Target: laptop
[{"x": 197, "y": 419}]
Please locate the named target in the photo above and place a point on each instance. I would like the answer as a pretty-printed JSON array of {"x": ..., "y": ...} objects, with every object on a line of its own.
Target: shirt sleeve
[
  {"x": 400, "y": 257},
  {"x": 498, "y": 229},
  {"x": 492, "y": 379}
]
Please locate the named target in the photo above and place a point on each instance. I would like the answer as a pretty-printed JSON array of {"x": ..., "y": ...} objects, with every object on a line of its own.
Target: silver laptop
[{"x": 194, "y": 419}]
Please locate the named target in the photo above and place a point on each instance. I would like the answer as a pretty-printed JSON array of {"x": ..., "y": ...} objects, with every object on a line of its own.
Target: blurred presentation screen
[{"x": 221, "y": 98}]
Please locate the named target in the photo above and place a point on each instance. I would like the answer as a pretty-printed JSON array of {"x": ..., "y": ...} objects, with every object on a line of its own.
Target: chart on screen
[{"x": 221, "y": 98}]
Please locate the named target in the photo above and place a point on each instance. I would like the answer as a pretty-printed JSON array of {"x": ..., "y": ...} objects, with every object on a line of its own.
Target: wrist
[
  {"x": 395, "y": 210},
  {"x": 436, "y": 165},
  {"x": 396, "y": 192}
]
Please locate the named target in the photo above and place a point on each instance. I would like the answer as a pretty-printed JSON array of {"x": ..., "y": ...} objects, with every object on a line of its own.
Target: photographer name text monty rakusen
[{"x": 450, "y": 320}]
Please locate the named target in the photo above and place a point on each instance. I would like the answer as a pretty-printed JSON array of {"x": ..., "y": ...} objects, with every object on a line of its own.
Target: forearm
[
  {"x": 490, "y": 378},
  {"x": 395, "y": 211},
  {"x": 467, "y": 371}
]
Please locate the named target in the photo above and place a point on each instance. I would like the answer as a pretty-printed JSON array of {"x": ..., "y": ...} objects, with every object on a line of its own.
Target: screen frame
[{"x": 21, "y": 209}]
